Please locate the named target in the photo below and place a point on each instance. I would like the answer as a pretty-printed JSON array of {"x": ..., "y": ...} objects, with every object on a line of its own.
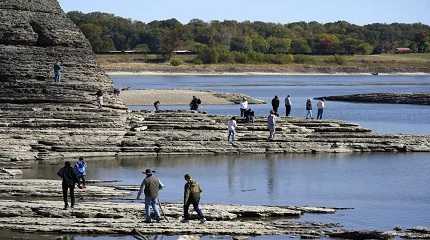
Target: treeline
[{"x": 232, "y": 41}]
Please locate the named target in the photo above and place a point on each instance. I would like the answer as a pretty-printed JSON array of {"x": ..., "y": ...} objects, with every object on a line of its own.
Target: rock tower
[{"x": 42, "y": 119}]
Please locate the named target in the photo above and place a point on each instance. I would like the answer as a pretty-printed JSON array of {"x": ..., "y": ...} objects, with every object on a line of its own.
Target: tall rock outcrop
[{"x": 40, "y": 118}]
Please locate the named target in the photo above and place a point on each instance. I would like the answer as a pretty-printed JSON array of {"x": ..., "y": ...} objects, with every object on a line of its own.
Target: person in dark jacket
[
  {"x": 192, "y": 192},
  {"x": 308, "y": 108},
  {"x": 275, "y": 104},
  {"x": 67, "y": 173},
  {"x": 195, "y": 103},
  {"x": 57, "y": 71},
  {"x": 150, "y": 186}
]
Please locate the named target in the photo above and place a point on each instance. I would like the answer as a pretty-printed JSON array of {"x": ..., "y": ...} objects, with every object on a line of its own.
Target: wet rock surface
[{"x": 391, "y": 98}]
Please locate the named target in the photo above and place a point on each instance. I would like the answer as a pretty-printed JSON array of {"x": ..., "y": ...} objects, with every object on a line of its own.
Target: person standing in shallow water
[
  {"x": 150, "y": 186},
  {"x": 271, "y": 124},
  {"x": 232, "y": 125},
  {"x": 308, "y": 108},
  {"x": 57, "y": 71},
  {"x": 192, "y": 192},
  {"x": 288, "y": 106},
  {"x": 275, "y": 104},
  {"x": 68, "y": 175},
  {"x": 320, "y": 106}
]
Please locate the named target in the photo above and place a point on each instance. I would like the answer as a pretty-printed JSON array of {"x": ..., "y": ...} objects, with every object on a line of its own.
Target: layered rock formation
[
  {"x": 33, "y": 108},
  {"x": 197, "y": 133},
  {"x": 391, "y": 98}
]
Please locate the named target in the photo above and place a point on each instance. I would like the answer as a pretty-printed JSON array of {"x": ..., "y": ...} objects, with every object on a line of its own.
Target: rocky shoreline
[
  {"x": 390, "y": 98},
  {"x": 106, "y": 210}
]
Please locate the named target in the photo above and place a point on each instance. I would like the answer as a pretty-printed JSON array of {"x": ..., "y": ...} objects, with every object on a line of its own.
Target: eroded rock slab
[{"x": 391, "y": 98}]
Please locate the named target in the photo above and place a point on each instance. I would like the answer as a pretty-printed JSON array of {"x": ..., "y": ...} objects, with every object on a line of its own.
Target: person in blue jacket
[{"x": 81, "y": 170}]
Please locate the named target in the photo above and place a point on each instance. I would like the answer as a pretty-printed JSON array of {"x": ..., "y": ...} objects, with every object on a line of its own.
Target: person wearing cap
[
  {"x": 192, "y": 192},
  {"x": 69, "y": 180},
  {"x": 271, "y": 124},
  {"x": 81, "y": 170},
  {"x": 150, "y": 186}
]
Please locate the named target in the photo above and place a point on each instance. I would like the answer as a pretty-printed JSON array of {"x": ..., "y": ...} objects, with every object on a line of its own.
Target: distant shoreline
[{"x": 152, "y": 73}]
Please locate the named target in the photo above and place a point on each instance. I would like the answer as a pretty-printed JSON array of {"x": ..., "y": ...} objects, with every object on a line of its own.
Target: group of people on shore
[
  {"x": 150, "y": 187},
  {"x": 273, "y": 115}
]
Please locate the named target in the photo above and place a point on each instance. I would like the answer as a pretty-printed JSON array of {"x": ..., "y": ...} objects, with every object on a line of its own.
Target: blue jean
[
  {"x": 231, "y": 135},
  {"x": 151, "y": 202},
  {"x": 57, "y": 76},
  {"x": 320, "y": 113}
]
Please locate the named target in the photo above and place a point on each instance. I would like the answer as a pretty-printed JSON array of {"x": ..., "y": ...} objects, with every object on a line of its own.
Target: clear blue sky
[{"x": 283, "y": 11}]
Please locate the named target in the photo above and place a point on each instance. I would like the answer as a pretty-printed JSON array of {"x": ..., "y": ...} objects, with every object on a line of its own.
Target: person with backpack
[
  {"x": 69, "y": 180},
  {"x": 150, "y": 186},
  {"x": 192, "y": 192},
  {"x": 81, "y": 170},
  {"x": 195, "y": 102}
]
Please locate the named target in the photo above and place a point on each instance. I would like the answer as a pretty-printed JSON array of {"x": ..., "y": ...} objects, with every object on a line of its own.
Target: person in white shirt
[
  {"x": 271, "y": 124},
  {"x": 288, "y": 106},
  {"x": 243, "y": 107},
  {"x": 232, "y": 125},
  {"x": 320, "y": 106}
]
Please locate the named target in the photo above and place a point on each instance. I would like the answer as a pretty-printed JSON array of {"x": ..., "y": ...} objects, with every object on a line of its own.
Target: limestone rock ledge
[{"x": 34, "y": 34}]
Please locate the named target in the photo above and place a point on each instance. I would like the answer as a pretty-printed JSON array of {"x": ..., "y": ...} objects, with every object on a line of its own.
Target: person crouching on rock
[
  {"x": 69, "y": 181},
  {"x": 81, "y": 170},
  {"x": 194, "y": 105},
  {"x": 192, "y": 192},
  {"x": 150, "y": 186}
]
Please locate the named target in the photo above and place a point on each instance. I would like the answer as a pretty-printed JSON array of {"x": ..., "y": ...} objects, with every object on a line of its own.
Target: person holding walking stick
[{"x": 150, "y": 186}]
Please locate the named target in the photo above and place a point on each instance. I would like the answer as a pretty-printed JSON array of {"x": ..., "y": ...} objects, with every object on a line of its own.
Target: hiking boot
[
  {"x": 65, "y": 207},
  {"x": 203, "y": 220},
  {"x": 185, "y": 221},
  {"x": 148, "y": 221}
]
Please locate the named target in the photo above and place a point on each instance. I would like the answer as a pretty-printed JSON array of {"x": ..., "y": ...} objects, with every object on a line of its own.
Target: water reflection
[{"x": 385, "y": 189}]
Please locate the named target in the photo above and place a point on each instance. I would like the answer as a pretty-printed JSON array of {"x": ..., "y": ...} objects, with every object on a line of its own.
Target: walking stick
[{"x": 162, "y": 211}]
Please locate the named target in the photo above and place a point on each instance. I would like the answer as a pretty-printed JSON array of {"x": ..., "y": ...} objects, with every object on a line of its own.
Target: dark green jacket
[{"x": 192, "y": 191}]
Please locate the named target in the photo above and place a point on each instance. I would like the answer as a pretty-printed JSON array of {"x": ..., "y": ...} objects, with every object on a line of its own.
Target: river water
[{"x": 384, "y": 190}]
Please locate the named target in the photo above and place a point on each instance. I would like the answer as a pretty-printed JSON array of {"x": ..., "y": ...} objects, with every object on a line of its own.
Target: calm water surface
[
  {"x": 385, "y": 190},
  {"x": 384, "y": 118}
]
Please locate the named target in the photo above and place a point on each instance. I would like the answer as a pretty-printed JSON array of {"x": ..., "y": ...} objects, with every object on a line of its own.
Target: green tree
[
  {"x": 300, "y": 46},
  {"x": 279, "y": 45}
]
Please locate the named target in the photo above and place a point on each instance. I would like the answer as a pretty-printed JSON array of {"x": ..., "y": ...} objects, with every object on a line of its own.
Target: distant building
[
  {"x": 183, "y": 52},
  {"x": 403, "y": 50}
]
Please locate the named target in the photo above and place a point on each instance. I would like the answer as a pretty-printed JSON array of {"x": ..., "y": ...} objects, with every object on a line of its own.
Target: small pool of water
[{"x": 385, "y": 190}]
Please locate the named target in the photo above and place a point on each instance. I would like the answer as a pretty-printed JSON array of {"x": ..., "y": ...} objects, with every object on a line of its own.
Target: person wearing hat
[
  {"x": 81, "y": 170},
  {"x": 192, "y": 192},
  {"x": 150, "y": 186}
]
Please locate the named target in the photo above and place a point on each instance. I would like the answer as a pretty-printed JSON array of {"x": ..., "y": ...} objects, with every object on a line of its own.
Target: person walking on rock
[
  {"x": 81, "y": 170},
  {"x": 288, "y": 106},
  {"x": 57, "y": 71},
  {"x": 150, "y": 186},
  {"x": 320, "y": 106},
  {"x": 243, "y": 107},
  {"x": 275, "y": 104},
  {"x": 69, "y": 180},
  {"x": 271, "y": 124},
  {"x": 232, "y": 125},
  {"x": 194, "y": 105},
  {"x": 308, "y": 108},
  {"x": 99, "y": 95},
  {"x": 192, "y": 192}
]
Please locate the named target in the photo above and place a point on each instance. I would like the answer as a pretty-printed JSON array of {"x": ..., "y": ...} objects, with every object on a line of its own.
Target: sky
[{"x": 359, "y": 12}]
